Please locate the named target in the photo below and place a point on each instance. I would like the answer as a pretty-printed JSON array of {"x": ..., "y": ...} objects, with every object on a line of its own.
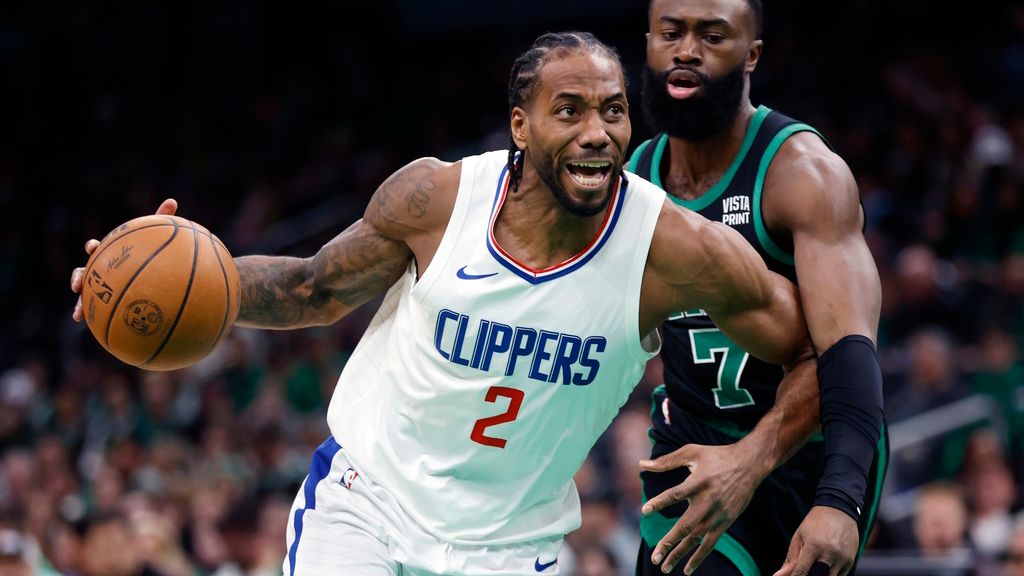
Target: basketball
[{"x": 160, "y": 292}]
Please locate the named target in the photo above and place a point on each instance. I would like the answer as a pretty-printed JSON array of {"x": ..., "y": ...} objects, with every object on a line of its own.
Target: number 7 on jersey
[{"x": 705, "y": 343}]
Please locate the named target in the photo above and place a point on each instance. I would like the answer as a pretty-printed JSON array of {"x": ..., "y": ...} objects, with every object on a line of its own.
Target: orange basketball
[{"x": 160, "y": 292}]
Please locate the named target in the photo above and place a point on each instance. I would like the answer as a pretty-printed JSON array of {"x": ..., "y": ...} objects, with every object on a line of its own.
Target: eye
[
  {"x": 616, "y": 110},
  {"x": 714, "y": 38},
  {"x": 567, "y": 111},
  {"x": 670, "y": 35}
]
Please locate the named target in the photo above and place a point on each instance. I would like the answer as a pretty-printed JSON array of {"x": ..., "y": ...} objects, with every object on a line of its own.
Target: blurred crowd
[{"x": 272, "y": 125}]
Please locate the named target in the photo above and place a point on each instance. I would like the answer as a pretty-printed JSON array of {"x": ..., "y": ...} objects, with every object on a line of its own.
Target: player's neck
[
  {"x": 537, "y": 231},
  {"x": 694, "y": 167}
]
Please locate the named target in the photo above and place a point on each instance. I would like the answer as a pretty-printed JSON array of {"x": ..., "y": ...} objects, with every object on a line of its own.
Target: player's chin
[{"x": 586, "y": 200}]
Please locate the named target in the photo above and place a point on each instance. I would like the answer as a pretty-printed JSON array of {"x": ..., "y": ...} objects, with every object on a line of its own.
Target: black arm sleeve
[{"x": 851, "y": 420}]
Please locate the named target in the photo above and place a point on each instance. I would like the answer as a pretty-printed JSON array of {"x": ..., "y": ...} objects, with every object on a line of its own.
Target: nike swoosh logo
[
  {"x": 467, "y": 276},
  {"x": 542, "y": 567}
]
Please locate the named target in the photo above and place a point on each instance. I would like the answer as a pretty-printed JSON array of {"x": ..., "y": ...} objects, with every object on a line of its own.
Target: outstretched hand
[
  {"x": 721, "y": 483},
  {"x": 167, "y": 207},
  {"x": 826, "y": 536}
]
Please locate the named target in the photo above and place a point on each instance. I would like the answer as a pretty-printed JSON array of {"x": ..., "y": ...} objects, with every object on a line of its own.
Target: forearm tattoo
[
  {"x": 274, "y": 290},
  {"x": 284, "y": 292},
  {"x": 358, "y": 264},
  {"x": 355, "y": 267}
]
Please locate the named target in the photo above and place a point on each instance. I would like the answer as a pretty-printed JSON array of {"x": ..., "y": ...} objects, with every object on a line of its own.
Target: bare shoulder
[
  {"x": 417, "y": 198},
  {"x": 686, "y": 245},
  {"x": 697, "y": 263},
  {"x": 809, "y": 185}
]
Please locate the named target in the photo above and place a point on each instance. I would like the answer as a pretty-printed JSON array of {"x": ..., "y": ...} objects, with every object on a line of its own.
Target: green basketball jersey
[{"x": 704, "y": 371}]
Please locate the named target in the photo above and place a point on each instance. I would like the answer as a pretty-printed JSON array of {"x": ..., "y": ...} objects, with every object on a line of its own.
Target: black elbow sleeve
[{"x": 851, "y": 420}]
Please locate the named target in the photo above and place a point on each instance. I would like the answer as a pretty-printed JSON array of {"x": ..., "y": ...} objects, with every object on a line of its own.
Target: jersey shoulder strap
[
  {"x": 642, "y": 162},
  {"x": 777, "y": 128}
]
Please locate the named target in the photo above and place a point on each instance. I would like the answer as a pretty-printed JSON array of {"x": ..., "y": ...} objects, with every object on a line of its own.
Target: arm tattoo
[
  {"x": 420, "y": 196},
  {"x": 413, "y": 185},
  {"x": 284, "y": 292},
  {"x": 358, "y": 264},
  {"x": 355, "y": 267},
  {"x": 273, "y": 290}
]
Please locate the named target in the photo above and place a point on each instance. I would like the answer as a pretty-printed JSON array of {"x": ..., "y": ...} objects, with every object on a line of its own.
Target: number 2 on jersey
[
  {"x": 705, "y": 343},
  {"x": 515, "y": 397}
]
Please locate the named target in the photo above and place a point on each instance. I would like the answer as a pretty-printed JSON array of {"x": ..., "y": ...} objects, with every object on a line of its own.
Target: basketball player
[
  {"x": 723, "y": 421},
  {"x": 524, "y": 291}
]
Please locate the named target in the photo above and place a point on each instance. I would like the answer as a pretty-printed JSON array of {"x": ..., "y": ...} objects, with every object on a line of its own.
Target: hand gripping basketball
[{"x": 159, "y": 292}]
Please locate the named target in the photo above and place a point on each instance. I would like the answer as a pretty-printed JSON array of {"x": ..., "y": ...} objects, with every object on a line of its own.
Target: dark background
[{"x": 272, "y": 124}]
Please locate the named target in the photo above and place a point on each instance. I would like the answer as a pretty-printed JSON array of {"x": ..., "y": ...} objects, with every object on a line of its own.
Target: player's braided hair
[{"x": 522, "y": 81}]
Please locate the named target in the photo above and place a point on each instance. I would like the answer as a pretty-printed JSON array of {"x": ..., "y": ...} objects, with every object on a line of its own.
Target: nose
[
  {"x": 594, "y": 133},
  {"x": 688, "y": 50}
]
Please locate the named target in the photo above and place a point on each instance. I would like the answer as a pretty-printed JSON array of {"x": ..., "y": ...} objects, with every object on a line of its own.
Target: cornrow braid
[{"x": 522, "y": 83}]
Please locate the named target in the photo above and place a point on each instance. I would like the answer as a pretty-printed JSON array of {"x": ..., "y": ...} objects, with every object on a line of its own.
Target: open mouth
[
  {"x": 590, "y": 173},
  {"x": 683, "y": 83}
]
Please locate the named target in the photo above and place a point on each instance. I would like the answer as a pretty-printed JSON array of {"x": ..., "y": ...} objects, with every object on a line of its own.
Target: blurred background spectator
[
  {"x": 940, "y": 524},
  {"x": 273, "y": 123}
]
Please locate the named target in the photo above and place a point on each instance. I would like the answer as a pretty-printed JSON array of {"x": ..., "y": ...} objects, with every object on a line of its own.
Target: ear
[
  {"x": 520, "y": 127},
  {"x": 753, "y": 55}
]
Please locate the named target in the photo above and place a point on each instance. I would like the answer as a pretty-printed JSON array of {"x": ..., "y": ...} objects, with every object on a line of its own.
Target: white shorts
[{"x": 343, "y": 524}]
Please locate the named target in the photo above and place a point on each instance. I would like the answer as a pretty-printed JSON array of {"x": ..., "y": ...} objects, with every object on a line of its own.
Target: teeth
[
  {"x": 589, "y": 181},
  {"x": 596, "y": 164}
]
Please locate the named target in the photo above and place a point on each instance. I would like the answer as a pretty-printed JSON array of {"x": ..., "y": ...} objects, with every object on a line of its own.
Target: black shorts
[{"x": 759, "y": 539}]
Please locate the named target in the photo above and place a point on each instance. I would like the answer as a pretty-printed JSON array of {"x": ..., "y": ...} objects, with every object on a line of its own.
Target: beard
[
  {"x": 698, "y": 117},
  {"x": 548, "y": 173}
]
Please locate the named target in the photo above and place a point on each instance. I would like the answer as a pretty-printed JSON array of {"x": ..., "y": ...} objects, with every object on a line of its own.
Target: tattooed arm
[
  {"x": 286, "y": 292},
  {"x": 405, "y": 219}
]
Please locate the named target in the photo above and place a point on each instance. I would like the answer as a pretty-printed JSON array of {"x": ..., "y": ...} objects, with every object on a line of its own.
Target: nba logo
[{"x": 348, "y": 478}]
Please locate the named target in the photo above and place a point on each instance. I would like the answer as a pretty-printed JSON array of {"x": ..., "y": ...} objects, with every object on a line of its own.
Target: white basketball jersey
[{"x": 478, "y": 390}]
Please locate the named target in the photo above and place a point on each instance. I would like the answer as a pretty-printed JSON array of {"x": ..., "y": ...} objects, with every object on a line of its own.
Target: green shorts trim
[
  {"x": 655, "y": 526},
  {"x": 880, "y": 469}
]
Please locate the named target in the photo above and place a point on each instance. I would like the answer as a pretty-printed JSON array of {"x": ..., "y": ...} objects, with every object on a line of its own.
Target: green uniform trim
[
  {"x": 635, "y": 158},
  {"x": 883, "y": 464},
  {"x": 654, "y": 527},
  {"x": 705, "y": 199},
  {"x": 770, "y": 246},
  {"x": 737, "y": 554},
  {"x": 659, "y": 390}
]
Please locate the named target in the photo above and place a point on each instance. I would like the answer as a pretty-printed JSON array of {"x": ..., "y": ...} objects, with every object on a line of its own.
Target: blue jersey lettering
[
  {"x": 542, "y": 355},
  {"x": 523, "y": 343},
  {"x": 443, "y": 317},
  {"x": 460, "y": 337},
  {"x": 594, "y": 342},
  {"x": 481, "y": 337},
  {"x": 500, "y": 332},
  {"x": 547, "y": 356},
  {"x": 566, "y": 355}
]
